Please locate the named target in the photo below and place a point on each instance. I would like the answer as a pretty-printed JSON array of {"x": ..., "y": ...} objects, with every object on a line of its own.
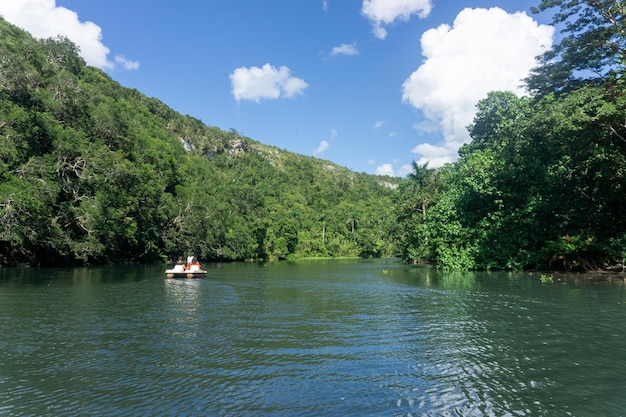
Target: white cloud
[
  {"x": 345, "y": 49},
  {"x": 405, "y": 170},
  {"x": 484, "y": 50},
  {"x": 436, "y": 156},
  {"x": 43, "y": 19},
  {"x": 126, "y": 64},
  {"x": 379, "y": 124},
  {"x": 333, "y": 133},
  {"x": 386, "y": 12},
  {"x": 320, "y": 149},
  {"x": 267, "y": 82},
  {"x": 388, "y": 169},
  {"x": 384, "y": 169}
]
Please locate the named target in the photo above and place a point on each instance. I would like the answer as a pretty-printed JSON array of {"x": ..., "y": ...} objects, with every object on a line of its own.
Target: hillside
[{"x": 92, "y": 172}]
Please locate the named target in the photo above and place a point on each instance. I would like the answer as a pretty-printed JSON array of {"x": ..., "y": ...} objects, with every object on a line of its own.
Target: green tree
[
  {"x": 592, "y": 50},
  {"x": 416, "y": 194}
]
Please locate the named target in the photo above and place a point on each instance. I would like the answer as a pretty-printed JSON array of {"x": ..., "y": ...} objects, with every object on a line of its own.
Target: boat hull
[{"x": 184, "y": 274}]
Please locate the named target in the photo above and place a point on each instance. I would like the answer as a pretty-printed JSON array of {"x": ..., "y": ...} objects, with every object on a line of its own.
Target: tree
[
  {"x": 419, "y": 178},
  {"x": 495, "y": 123},
  {"x": 416, "y": 194},
  {"x": 592, "y": 51}
]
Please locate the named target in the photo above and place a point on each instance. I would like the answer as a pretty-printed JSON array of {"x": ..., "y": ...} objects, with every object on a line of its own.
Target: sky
[{"x": 372, "y": 85}]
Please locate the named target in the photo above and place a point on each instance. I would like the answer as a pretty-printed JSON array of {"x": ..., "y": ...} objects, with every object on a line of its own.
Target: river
[{"x": 319, "y": 338}]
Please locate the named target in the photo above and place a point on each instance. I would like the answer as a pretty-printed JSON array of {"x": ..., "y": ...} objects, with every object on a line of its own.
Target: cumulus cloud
[
  {"x": 385, "y": 169},
  {"x": 324, "y": 145},
  {"x": 436, "y": 156},
  {"x": 389, "y": 169},
  {"x": 386, "y": 12},
  {"x": 267, "y": 82},
  {"x": 484, "y": 50},
  {"x": 44, "y": 19},
  {"x": 320, "y": 149},
  {"x": 405, "y": 170},
  {"x": 345, "y": 49},
  {"x": 126, "y": 64}
]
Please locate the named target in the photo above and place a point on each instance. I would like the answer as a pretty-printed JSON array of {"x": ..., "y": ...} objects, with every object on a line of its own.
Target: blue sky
[{"x": 368, "y": 84}]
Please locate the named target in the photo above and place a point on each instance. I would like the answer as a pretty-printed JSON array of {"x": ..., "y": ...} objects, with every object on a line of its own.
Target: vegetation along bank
[{"x": 92, "y": 172}]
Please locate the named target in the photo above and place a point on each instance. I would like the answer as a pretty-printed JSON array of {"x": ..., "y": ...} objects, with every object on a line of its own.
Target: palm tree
[
  {"x": 353, "y": 222},
  {"x": 421, "y": 177}
]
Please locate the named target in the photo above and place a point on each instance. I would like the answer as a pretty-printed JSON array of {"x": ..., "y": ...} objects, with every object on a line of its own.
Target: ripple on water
[{"x": 335, "y": 344}]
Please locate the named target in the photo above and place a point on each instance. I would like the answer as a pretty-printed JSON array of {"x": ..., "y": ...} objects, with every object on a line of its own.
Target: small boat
[{"x": 179, "y": 271}]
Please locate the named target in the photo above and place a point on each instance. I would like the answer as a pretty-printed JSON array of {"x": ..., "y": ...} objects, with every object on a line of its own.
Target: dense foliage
[
  {"x": 91, "y": 172},
  {"x": 543, "y": 182}
]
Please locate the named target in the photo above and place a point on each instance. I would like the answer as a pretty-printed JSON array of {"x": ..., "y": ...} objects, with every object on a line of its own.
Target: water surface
[{"x": 337, "y": 338}]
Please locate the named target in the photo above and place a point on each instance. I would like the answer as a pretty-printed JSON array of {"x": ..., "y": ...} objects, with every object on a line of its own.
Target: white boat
[{"x": 179, "y": 271}]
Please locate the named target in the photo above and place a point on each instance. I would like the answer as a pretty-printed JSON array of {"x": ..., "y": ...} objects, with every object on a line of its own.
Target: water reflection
[
  {"x": 183, "y": 293},
  {"x": 503, "y": 343},
  {"x": 84, "y": 276}
]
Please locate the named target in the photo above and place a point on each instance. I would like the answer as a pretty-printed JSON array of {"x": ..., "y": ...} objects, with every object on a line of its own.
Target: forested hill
[{"x": 93, "y": 172}]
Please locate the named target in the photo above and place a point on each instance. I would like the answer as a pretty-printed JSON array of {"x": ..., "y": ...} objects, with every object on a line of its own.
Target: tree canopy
[
  {"x": 92, "y": 172},
  {"x": 592, "y": 50},
  {"x": 543, "y": 182}
]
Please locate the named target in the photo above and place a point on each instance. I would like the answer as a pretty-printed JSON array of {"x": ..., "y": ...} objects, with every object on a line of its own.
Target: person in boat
[
  {"x": 180, "y": 265},
  {"x": 194, "y": 264}
]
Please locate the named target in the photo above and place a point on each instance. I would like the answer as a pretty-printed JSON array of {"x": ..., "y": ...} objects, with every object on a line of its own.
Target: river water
[{"x": 335, "y": 338}]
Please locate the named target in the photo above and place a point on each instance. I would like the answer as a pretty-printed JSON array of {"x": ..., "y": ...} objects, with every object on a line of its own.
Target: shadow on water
[
  {"x": 33, "y": 276},
  {"x": 430, "y": 276}
]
